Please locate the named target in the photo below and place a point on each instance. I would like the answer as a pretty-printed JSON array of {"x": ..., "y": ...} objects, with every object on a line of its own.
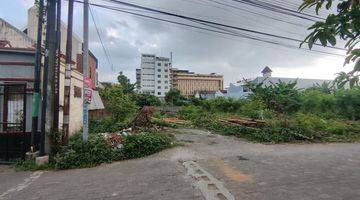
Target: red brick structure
[{"x": 93, "y": 65}]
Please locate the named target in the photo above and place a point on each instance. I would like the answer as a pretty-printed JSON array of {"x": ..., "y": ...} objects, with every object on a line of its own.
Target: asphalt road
[{"x": 208, "y": 167}]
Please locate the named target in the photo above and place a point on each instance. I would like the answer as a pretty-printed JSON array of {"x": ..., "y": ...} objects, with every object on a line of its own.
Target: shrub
[
  {"x": 120, "y": 106},
  {"x": 189, "y": 112},
  {"x": 222, "y": 104},
  {"x": 348, "y": 102},
  {"x": 140, "y": 145},
  {"x": 173, "y": 97},
  {"x": 319, "y": 103},
  {"x": 107, "y": 124},
  {"x": 281, "y": 97},
  {"x": 146, "y": 100},
  {"x": 85, "y": 153}
]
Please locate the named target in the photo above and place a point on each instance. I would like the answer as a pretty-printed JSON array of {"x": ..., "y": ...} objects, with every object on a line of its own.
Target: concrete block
[
  {"x": 42, "y": 160},
  {"x": 31, "y": 155}
]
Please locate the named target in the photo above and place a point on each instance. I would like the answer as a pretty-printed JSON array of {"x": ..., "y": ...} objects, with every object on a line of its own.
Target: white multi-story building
[{"x": 155, "y": 75}]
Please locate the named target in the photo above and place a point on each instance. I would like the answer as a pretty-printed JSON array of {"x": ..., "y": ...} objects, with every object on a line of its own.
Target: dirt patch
[{"x": 232, "y": 173}]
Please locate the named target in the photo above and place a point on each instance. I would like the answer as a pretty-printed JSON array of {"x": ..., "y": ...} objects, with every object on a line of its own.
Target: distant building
[
  {"x": 154, "y": 75},
  {"x": 190, "y": 83},
  {"x": 138, "y": 79},
  {"x": 240, "y": 90}
]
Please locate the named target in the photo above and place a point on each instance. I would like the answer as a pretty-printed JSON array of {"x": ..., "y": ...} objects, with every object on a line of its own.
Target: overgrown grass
[
  {"x": 299, "y": 127},
  {"x": 97, "y": 150}
]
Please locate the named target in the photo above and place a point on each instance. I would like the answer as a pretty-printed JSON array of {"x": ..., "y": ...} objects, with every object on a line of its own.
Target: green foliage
[
  {"x": 189, "y": 112},
  {"x": 140, "y": 145},
  {"x": 125, "y": 84},
  {"x": 254, "y": 108},
  {"x": 173, "y": 97},
  {"x": 121, "y": 107},
  {"x": 55, "y": 140},
  {"x": 106, "y": 124},
  {"x": 281, "y": 97},
  {"x": 344, "y": 25},
  {"x": 222, "y": 104},
  {"x": 146, "y": 100},
  {"x": 348, "y": 102},
  {"x": 85, "y": 153},
  {"x": 319, "y": 103}
]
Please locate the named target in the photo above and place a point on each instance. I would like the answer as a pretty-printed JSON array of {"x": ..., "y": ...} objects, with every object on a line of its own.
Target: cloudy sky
[{"x": 125, "y": 37}]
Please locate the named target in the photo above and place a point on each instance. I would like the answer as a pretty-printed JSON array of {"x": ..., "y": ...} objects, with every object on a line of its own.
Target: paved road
[{"x": 224, "y": 168}]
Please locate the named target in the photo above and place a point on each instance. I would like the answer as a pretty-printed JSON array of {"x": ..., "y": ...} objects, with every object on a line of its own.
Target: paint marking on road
[
  {"x": 23, "y": 185},
  {"x": 210, "y": 187}
]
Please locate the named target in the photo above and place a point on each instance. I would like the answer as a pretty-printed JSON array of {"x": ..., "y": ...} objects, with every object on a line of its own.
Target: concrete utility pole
[
  {"x": 86, "y": 82},
  {"x": 47, "y": 108},
  {"x": 57, "y": 68},
  {"x": 37, "y": 74},
  {"x": 67, "y": 87}
]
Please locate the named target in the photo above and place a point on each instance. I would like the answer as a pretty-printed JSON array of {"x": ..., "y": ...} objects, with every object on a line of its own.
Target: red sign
[{"x": 88, "y": 85}]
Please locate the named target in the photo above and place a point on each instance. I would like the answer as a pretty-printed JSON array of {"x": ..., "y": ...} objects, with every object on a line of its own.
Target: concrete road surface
[{"x": 208, "y": 167}]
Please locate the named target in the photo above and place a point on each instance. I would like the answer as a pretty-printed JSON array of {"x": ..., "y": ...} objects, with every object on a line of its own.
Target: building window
[
  {"x": 159, "y": 87},
  {"x": 77, "y": 92},
  {"x": 166, "y": 87},
  {"x": 159, "y": 76},
  {"x": 166, "y": 70},
  {"x": 159, "y": 93},
  {"x": 166, "y": 82},
  {"x": 159, "y": 64},
  {"x": 159, "y": 82},
  {"x": 166, "y": 76},
  {"x": 166, "y": 64},
  {"x": 159, "y": 70}
]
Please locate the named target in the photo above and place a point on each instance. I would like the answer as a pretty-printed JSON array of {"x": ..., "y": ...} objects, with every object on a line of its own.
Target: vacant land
[{"x": 228, "y": 166}]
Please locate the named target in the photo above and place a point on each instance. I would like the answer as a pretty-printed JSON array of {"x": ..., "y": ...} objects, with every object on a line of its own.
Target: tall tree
[
  {"x": 344, "y": 24},
  {"x": 125, "y": 83}
]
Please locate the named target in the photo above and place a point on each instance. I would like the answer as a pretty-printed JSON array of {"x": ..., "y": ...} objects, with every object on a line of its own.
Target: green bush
[
  {"x": 140, "y": 145},
  {"x": 348, "y": 102},
  {"x": 319, "y": 103},
  {"x": 190, "y": 112},
  {"x": 107, "y": 124},
  {"x": 281, "y": 97},
  {"x": 146, "y": 100},
  {"x": 120, "y": 105},
  {"x": 85, "y": 153},
  {"x": 222, "y": 104}
]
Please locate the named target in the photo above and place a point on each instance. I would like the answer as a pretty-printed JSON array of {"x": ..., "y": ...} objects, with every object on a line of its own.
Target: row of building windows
[
  {"x": 166, "y": 64},
  {"x": 166, "y": 87},
  {"x": 166, "y": 76},
  {"x": 165, "y": 70},
  {"x": 148, "y": 85},
  {"x": 148, "y": 62},
  {"x": 166, "y": 82}
]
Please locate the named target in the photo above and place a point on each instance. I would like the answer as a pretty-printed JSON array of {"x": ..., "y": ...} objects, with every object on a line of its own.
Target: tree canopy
[{"x": 344, "y": 24}]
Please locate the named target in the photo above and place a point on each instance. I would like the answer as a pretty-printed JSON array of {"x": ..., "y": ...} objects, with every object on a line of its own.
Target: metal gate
[{"x": 14, "y": 140}]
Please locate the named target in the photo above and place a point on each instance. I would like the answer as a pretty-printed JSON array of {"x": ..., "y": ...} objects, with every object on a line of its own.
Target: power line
[
  {"x": 280, "y": 9},
  {"x": 221, "y": 31},
  {"x": 102, "y": 44},
  {"x": 214, "y": 23},
  {"x": 257, "y": 13}
]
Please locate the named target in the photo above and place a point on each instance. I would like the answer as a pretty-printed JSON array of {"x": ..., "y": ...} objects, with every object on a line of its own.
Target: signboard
[{"x": 88, "y": 85}]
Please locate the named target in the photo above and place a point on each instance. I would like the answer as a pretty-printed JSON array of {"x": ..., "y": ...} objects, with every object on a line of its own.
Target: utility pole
[
  {"x": 47, "y": 108},
  {"x": 86, "y": 81},
  {"x": 37, "y": 72},
  {"x": 67, "y": 85},
  {"x": 57, "y": 67}
]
